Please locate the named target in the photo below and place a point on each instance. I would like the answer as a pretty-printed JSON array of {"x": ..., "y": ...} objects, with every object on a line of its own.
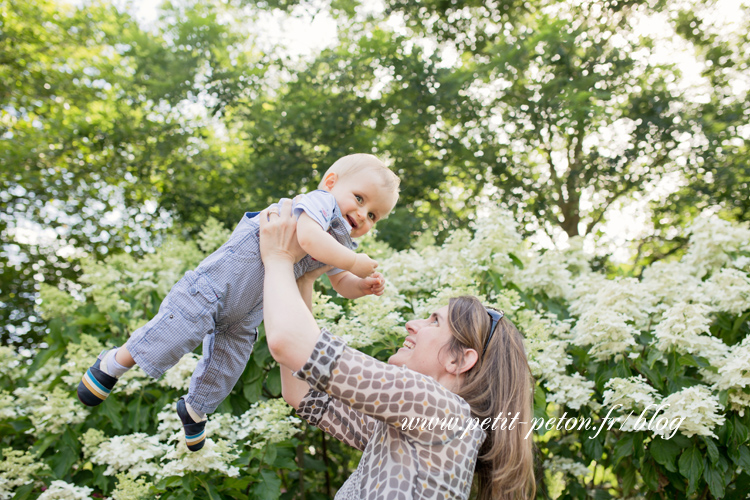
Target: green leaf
[
  {"x": 623, "y": 448},
  {"x": 713, "y": 451},
  {"x": 691, "y": 466},
  {"x": 540, "y": 404},
  {"x": 649, "y": 474},
  {"x": 24, "y": 492},
  {"x": 664, "y": 452},
  {"x": 724, "y": 397},
  {"x": 715, "y": 479},
  {"x": 269, "y": 456},
  {"x": 628, "y": 479},
  {"x": 516, "y": 261},
  {"x": 739, "y": 436},
  {"x": 688, "y": 360},
  {"x": 268, "y": 488},
  {"x": 253, "y": 390},
  {"x": 113, "y": 409},
  {"x": 740, "y": 456},
  {"x": 273, "y": 382},
  {"x": 210, "y": 489}
]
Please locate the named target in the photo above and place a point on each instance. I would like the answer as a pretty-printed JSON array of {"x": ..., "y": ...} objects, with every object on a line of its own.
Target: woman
[{"x": 464, "y": 367}]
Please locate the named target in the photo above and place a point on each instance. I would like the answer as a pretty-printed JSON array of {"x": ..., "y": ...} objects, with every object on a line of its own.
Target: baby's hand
[
  {"x": 363, "y": 266},
  {"x": 373, "y": 285}
]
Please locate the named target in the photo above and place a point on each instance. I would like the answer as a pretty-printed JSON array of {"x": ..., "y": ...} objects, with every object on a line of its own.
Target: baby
[{"x": 221, "y": 302}]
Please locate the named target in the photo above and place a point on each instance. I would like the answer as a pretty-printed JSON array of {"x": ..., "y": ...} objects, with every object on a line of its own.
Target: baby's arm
[
  {"x": 324, "y": 248},
  {"x": 352, "y": 287}
]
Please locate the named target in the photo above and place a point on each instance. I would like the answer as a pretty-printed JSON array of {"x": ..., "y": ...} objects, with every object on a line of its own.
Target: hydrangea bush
[{"x": 658, "y": 367}]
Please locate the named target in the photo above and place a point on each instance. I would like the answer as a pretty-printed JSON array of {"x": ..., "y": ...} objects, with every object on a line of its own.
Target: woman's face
[{"x": 423, "y": 344}]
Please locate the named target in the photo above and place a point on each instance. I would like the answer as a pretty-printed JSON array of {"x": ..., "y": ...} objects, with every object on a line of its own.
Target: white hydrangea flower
[
  {"x": 457, "y": 262},
  {"x": 55, "y": 303},
  {"x": 60, "y": 490},
  {"x": 606, "y": 331},
  {"x": 699, "y": 408},
  {"x": 224, "y": 426},
  {"x": 734, "y": 375},
  {"x": 58, "y": 410},
  {"x": 7, "y": 406},
  {"x": 407, "y": 272},
  {"x": 684, "y": 327},
  {"x": 178, "y": 377},
  {"x": 547, "y": 359},
  {"x": 79, "y": 357},
  {"x": 738, "y": 401},
  {"x": 130, "y": 488},
  {"x": 324, "y": 309},
  {"x": 11, "y": 364},
  {"x": 214, "y": 456},
  {"x": 17, "y": 469},
  {"x": 267, "y": 422},
  {"x": 28, "y": 398},
  {"x": 671, "y": 282},
  {"x": 572, "y": 391},
  {"x": 626, "y": 296},
  {"x": 633, "y": 393},
  {"x": 46, "y": 374},
  {"x": 91, "y": 439},
  {"x": 423, "y": 307},
  {"x": 133, "y": 453},
  {"x": 369, "y": 320},
  {"x": 545, "y": 351},
  {"x": 132, "y": 381},
  {"x": 546, "y": 273},
  {"x": 711, "y": 240},
  {"x": 729, "y": 290},
  {"x": 566, "y": 466},
  {"x": 170, "y": 425},
  {"x": 742, "y": 263}
]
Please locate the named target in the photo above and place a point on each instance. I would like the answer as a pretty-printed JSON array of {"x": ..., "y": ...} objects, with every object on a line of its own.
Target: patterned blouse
[{"x": 379, "y": 409}]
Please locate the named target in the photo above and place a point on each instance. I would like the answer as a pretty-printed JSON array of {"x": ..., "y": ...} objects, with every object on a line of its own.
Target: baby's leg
[
  {"x": 225, "y": 355},
  {"x": 185, "y": 317},
  {"x": 124, "y": 357}
]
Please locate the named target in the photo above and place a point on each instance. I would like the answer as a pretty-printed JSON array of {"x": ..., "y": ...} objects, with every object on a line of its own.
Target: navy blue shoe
[
  {"x": 195, "y": 432},
  {"x": 95, "y": 385}
]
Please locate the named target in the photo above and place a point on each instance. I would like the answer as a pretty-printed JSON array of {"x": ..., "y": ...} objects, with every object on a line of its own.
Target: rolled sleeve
[
  {"x": 318, "y": 205},
  {"x": 318, "y": 368}
]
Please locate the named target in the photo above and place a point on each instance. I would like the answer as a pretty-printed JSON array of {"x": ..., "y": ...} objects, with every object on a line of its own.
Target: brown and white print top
[{"x": 379, "y": 409}]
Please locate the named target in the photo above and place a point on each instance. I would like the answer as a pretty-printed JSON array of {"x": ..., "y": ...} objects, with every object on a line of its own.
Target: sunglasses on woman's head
[{"x": 495, "y": 317}]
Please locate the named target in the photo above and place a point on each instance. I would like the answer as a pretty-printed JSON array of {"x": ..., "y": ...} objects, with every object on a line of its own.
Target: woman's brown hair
[{"x": 499, "y": 384}]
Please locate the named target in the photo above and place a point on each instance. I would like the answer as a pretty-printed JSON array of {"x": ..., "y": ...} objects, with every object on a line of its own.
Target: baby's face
[{"x": 362, "y": 200}]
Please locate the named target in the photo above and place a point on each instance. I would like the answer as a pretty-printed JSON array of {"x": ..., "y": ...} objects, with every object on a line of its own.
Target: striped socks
[{"x": 110, "y": 366}]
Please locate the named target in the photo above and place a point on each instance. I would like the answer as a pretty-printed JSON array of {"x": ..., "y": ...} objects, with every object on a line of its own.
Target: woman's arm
[
  {"x": 291, "y": 331},
  {"x": 294, "y": 389}
]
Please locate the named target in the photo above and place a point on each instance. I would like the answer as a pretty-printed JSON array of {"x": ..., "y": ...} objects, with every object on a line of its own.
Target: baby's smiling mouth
[{"x": 351, "y": 222}]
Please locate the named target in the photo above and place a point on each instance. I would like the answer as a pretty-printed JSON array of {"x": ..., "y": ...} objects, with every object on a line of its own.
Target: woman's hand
[{"x": 278, "y": 235}]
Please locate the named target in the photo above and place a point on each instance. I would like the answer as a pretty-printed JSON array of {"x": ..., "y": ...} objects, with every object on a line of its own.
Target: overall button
[
  {"x": 193, "y": 290},
  {"x": 335, "y": 223}
]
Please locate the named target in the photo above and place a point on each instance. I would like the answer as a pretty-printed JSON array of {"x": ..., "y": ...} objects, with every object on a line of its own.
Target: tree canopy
[{"x": 114, "y": 135}]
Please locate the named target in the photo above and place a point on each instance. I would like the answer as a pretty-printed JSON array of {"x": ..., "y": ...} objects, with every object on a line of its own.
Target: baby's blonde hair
[{"x": 351, "y": 164}]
